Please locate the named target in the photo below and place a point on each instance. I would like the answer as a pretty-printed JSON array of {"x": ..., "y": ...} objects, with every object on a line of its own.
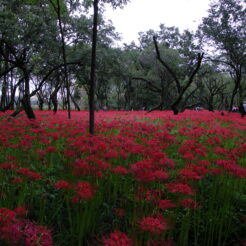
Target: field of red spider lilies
[{"x": 143, "y": 180}]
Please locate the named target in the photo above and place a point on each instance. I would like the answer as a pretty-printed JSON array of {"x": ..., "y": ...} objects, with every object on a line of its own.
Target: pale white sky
[{"x": 142, "y": 15}]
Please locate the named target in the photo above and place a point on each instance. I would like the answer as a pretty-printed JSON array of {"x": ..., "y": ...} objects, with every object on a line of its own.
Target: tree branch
[
  {"x": 148, "y": 82},
  {"x": 165, "y": 65}
]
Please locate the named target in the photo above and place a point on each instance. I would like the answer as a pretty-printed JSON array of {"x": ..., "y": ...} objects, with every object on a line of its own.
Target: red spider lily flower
[
  {"x": 117, "y": 238},
  {"x": 69, "y": 153},
  {"x": 81, "y": 167},
  {"x": 216, "y": 171},
  {"x": 84, "y": 191},
  {"x": 63, "y": 185},
  {"x": 166, "y": 162},
  {"x": 165, "y": 204},
  {"x": 213, "y": 141},
  {"x": 111, "y": 154},
  {"x": 21, "y": 211},
  {"x": 154, "y": 225},
  {"x": 189, "y": 174},
  {"x": 204, "y": 163},
  {"x": 147, "y": 171},
  {"x": 6, "y": 216},
  {"x": 159, "y": 175},
  {"x": 8, "y": 166},
  {"x": 188, "y": 156},
  {"x": 37, "y": 235},
  {"x": 28, "y": 173},
  {"x": 51, "y": 149},
  {"x": 180, "y": 188},
  {"x": 152, "y": 195},
  {"x": 189, "y": 203},
  {"x": 120, "y": 170}
]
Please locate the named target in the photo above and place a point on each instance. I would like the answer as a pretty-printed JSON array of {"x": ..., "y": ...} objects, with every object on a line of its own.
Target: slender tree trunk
[
  {"x": 75, "y": 104},
  {"x": 53, "y": 96},
  {"x": 4, "y": 88},
  {"x": 64, "y": 59},
  {"x": 237, "y": 81},
  {"x": 93, "y": 69},
  {"x": 26, "y": 101},
  {"x": 40, "y": 101}
]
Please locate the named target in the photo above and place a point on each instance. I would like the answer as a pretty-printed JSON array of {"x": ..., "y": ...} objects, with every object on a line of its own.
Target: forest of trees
[{"x": 58, "y": 53}]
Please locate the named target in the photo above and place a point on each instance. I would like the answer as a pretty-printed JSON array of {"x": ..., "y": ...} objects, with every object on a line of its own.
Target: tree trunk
[
  {"x": 65, "y": 60},
  {"x": 93, "y": 69},
  {"x": 75, "y": 104},
  {"x": 40, "y": 101},
  {"x": 4, "y": 89},
  {"x": 237, "y": 81},
  {"x": 26, "y": 101}
]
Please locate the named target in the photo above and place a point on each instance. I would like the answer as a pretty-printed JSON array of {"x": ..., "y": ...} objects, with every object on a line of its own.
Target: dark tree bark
[
  {"x": 75, "y": 104},
  {"x": 53, "y": 96},
  {"x": 40, "y": 101},
  {"x": 181, "y": 89},
  {"x": 4, "y": 88},
  {"x": 237, "y": 87},
  {"x": 65, "y": 60},
  {"x": 26, "y": 100},
  {"x": 93, "y": 69},
  {"x": 58, "y": 12}
]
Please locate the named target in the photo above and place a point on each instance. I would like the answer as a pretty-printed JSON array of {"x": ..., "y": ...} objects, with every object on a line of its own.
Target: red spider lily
[
  {"x": 51, "y": 149},
  {"x": 8, "y": 166},
  {"x": 213, "y": 141},
  {"x": 147, "y": 171},
  {"x": 200, "y": 170},
  {"x": 28, "y": 173},
  {"x": 180, "y": 188},
  {"x": 189, "y": 174},
  {"x": 84, "y": 191},
  {"x": 165, "y": 204},
  {"x": 166, "y": 162},
  {"x": 63, "y": 185},
  {"x": 216, "y": 171},
  {"x": 147, "y": 194},
  {"x": 81, "y": 167},
  {"x": 6, "y": 216},
  {"x": 20, "y": 211},
  {"x": 117, "y": 238},
  {"x": 189, "y": 203},
  {"x": 154, "y": 225},
  {"x": 204, "y": 163},
  {"x": 111, "y": 154},
  {"x": 120, "y": 170},
  {"x": 22, "y": 232}
]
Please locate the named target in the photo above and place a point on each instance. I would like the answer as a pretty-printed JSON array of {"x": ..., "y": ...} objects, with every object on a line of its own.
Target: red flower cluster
[
  {"x": 165, "y": 204},
  {"x": 22, "y": 232},
  {"x": 189, "y": 203},
  {"x": 63, "y": 185},
  {"x": 117, "y": 238},
  {"x": 84, "y": 191},
  {"x": 180, "y": 188},
  {"x": 154, "y": 225}
]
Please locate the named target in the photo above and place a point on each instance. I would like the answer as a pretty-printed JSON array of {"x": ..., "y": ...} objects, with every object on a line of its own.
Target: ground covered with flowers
[{"x": 143, "y": 179}]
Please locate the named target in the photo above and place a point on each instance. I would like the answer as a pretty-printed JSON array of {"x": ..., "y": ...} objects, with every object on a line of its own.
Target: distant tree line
[{"x": 46, "y": 51}]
